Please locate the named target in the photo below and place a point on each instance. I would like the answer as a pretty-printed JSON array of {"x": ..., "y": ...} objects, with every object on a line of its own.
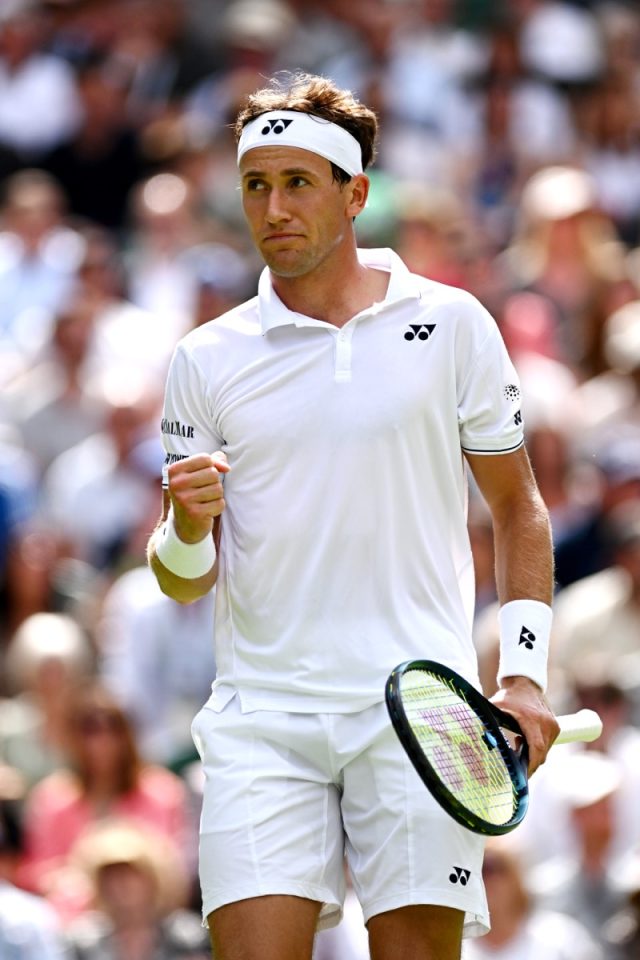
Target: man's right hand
[{"x": 197, "y": 493}]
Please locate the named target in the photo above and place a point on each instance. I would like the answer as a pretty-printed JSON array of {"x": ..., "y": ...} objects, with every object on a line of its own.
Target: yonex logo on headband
[
  {"x": 279, "y": 125},
  {"x": 293, "y": 128}
]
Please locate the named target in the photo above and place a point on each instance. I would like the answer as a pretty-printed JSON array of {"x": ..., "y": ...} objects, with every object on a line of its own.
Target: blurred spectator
[
  {"x": 49, "y": 402},
  {"x": 48, "y": 655},
  {"x": 223, "y": 279},
  {"x": 610, "y": 402},
  {"x": 253, "y": 34},
  {"x": 106, "y": 776},
  {"x": 586, "y": 546},
  {"x": 612, "y": 155},
  {"x": 566, "y": 250},
  {"x": 596, "y": 682},
  {"x": 38, "y": 98},
  {"x": 18, "y": 488},
  {"x": 606, "y": 603},
  {"x": 29, "y": 927},
  {"x": 562, "y": 41},
  {"x": 39, "y": 257},
  {"x": 19, "y": 481},
  {"x": 520, "y": 926},
  {"x": 165, "y": 225},
  {"x": 521, "y": 124},
  {"x": 137, "y": 895},
  {"x": 427, "y": 110},
  {"x": 327, "y": 38},
  {"x": 622, "y": 932},
  {"x": 128, "y": 344},
  {"x": 165, "y": 54},
  {"x": 431, "y": 233},
  {"x": 582, "y": 883},
  {"x": 99, "y": 165},
  {"x": 157, "y": 658},
  {"x": 113, "y": 468}
]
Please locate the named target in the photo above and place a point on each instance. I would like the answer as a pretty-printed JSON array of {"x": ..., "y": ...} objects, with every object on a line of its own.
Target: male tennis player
[{"x": 316, "y": 443}]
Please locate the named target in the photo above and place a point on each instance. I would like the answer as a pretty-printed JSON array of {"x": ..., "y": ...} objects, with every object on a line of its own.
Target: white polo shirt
[{"x": 344, "y": 546}]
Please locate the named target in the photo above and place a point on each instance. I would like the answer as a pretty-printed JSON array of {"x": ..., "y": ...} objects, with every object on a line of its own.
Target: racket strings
[{"x": 459, "y": 747}]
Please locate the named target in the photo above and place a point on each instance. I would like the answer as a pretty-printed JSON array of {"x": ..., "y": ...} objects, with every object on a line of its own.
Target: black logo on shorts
[
  {"x": 279, "y": 125},
  {"x": 460, "y": 875},
  {"x": 420, "y": 330},
  {"x": 527, "y": 637}
]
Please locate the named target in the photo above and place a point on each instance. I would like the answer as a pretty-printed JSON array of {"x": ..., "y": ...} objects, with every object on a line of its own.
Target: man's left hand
[{"x": 525, "y": 700}]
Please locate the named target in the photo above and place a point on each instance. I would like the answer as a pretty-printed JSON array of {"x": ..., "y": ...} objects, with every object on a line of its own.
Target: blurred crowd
[{"x": 509, "y": 165}]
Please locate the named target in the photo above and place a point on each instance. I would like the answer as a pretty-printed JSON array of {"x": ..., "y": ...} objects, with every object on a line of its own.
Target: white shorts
[{"x": 286, "y": 795}]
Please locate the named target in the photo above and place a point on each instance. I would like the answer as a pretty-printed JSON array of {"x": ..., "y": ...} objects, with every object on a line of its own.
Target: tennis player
[{"x": 317, "y": 442}]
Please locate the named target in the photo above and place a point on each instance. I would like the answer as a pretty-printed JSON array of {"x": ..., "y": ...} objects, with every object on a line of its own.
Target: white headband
[{"x": 292, "y": 128}]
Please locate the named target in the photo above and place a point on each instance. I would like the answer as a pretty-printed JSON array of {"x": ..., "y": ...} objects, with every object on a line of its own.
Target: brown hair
[
  {"x": 93, "y": 703},
  {"x": 320, "y": 97}
]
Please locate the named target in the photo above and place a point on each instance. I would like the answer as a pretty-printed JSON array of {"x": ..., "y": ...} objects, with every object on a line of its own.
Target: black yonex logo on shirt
[
  {"x": 420, "y": 330},
  {"x": 460, "y": 875},
  {"x": 279, "y": 125},
  {"x": 527, "y": 637}
]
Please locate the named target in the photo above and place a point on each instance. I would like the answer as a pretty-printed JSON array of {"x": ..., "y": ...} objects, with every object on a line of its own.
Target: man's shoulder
[{"x": 446, "y": 295}]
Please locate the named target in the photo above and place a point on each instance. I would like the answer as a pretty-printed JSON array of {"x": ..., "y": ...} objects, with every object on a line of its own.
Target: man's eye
[
  {"x": 254, "y": 185},
  {"x": 299, "y": 181}
]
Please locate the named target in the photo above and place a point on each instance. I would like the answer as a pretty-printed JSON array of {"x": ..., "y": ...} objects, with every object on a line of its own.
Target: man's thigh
[
  {"x": 403, "y": 849},
  {"x": 430, "y": 933},
  {"x": 264, "y": 928}
]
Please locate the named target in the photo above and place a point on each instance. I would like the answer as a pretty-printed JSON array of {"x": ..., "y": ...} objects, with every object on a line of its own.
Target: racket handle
[{"x": 585, "y": 725}]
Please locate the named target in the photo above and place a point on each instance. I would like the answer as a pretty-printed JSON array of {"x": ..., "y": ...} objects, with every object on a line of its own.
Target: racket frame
[{"x": 492, "y": 719}]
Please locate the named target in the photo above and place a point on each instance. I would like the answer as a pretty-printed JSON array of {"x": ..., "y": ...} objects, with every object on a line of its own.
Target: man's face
[{"x": 297, "y": 213}]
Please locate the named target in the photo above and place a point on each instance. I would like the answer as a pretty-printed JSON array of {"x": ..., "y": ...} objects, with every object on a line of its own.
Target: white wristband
[
  {"x": 189, "y": 560},
  {"x": 525, "y": 629}
]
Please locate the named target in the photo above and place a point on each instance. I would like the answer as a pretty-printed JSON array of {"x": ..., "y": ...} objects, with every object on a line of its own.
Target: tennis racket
[{"x": 470, "y": 754}]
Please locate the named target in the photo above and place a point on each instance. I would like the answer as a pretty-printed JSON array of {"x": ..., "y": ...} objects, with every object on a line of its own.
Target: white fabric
[
  {"x": 291, "y": 128},
  {"x": 276, "y": 822},
  {"x": 344, "y": 544},
  {"x": 525, "y": 628},
  {"x": 189, "y": 560}
]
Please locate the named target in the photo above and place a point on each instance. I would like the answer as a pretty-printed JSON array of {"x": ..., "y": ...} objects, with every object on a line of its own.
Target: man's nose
[{"x": 277, "y": 207}]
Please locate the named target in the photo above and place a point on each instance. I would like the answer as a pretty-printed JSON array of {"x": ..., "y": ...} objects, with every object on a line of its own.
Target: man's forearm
[{"x": 524, "y": 555}]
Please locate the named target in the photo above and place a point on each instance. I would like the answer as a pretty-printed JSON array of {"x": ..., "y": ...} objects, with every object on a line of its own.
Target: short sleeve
[
  {"x": 489, "y": 399},
  {"x": 188, "y": 418}
]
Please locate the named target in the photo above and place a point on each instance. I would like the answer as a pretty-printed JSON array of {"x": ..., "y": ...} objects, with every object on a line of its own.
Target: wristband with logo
[
  {"x": 188, "y": 560},
  {"x": 525, "y": 629}
]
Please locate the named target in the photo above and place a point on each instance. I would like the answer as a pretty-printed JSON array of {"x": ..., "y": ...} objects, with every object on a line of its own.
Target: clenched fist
[{"x": 197, "y": 494}]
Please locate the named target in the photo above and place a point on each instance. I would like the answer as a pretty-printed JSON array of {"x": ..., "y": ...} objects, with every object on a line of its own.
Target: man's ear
[{"x": 357, "y": 192}]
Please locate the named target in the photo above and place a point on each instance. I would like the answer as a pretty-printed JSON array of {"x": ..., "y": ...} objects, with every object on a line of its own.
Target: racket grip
[{"x": 585, "y": 726}]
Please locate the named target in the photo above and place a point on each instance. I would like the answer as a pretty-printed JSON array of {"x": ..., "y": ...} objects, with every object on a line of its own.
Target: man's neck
[{"x": 337, "y": 302}]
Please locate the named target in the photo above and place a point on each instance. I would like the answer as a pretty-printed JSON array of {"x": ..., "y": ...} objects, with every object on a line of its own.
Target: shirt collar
[{"x": 403, "y": 285}]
